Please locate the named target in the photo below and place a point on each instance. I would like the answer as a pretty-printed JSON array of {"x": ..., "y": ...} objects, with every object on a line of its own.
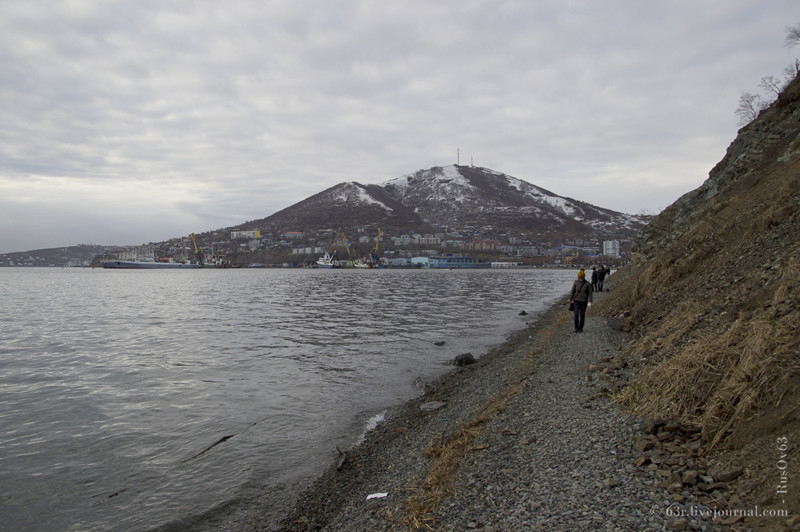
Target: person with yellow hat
[{"x": 580, "y": 297}]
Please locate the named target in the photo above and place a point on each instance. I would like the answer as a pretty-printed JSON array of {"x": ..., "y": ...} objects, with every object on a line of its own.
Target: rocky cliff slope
[{"x": 712, "y": 301}]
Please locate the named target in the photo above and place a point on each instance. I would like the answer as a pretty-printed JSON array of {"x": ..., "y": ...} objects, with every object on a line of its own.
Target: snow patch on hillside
[
  {"x": 532, "y": 191},
  {"x": 561, "y": 204},
  {"x": 366, "y": 197},
  {"x": 354, "y": 193},
  {"x": 400, "y": 184},
  {"x": 451, "y": 172},
  {"x": 450, "y": 185},
  {"x": 513, "y": 182}
]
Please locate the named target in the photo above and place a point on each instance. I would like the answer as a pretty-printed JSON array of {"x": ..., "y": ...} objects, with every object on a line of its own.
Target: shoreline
[
  {"x": 392, "y": 454},
  {"x": 525, "y": 438}
]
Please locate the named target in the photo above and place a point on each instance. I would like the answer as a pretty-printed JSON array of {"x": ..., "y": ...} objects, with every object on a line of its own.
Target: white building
[
  {"x": 308, "y": 250},
  {"x": 611, "y": 248},
  {"x": 245, "y": 234},
  {"x": 399, "y": 262},
  {"x": 427, "y": 240},
  {"x": 404, "y": 240}
]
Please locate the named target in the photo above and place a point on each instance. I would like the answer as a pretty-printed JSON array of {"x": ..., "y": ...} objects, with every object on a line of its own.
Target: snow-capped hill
[
  {"x": 465, "y": 195},
  {"x": 460, "y": 197},
  {"x": 440, "y": 182}
]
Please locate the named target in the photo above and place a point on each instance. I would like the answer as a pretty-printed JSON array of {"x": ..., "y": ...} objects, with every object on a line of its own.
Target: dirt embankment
[{"x": 712, "y": 300}]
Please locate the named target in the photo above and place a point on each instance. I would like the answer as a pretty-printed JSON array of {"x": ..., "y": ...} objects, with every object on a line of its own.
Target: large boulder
[{"x": 464, "y": 359}]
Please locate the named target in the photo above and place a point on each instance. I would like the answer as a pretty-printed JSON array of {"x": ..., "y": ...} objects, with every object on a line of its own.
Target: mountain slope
[
  {"x": 343, "y": 205},
  {"x": 713, "y": 299},
  {"x": 463, "y": 196},
  {"x": 458, "y": 197}
]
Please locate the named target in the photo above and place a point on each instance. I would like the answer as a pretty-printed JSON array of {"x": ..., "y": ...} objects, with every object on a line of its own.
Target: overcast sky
[{"x": 123, "y": 122}]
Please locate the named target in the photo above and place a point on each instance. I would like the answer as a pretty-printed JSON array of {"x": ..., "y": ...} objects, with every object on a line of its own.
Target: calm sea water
[{"x": 112, "y": 382}]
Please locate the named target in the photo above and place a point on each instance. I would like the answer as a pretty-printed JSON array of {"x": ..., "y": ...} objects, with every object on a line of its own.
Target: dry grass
[
  {"x": 447, "y": 455},
  {"x": 561, "y": 319},
  {"x": 721, "y": 380},
  {"x": 776, "y": 205},
  {"x": 671, "y": 331},
  {"x": 714, "y": 372},
  {"x": 718, "y": 378},
  {"x": 789, "y": 283}
]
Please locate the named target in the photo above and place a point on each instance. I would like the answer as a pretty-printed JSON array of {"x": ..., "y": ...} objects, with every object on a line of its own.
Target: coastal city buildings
[{"x": 291, "y": 248}]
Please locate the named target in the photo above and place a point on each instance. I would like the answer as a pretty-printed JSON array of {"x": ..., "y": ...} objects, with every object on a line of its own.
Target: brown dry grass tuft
[
  {"x": 561, "y": 319},
  {"x": 671, "y": 331},
  {"x": 789, "y": 283},
  {"x": 447, "y": 455},
  {"x": 720, "y": 381}
]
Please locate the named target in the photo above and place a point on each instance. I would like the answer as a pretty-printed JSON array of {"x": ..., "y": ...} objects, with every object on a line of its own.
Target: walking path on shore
[{"x": 525, "y": 439}]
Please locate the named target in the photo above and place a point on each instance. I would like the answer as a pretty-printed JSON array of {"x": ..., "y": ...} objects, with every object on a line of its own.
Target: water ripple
[{"x": 114, "y": 382}]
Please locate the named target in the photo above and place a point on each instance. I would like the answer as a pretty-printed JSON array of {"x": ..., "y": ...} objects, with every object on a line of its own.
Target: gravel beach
[{"x": 525, "y": 439}]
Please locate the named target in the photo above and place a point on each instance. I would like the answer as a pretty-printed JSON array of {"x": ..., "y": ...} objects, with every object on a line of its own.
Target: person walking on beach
[
  {"x": 594, "y": 278},
  {"x": 601, "y": 276},
  {"x": 580, "y": 297}
]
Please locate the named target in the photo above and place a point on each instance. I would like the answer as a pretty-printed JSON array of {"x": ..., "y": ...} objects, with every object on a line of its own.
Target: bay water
[{"x": 133, "y": 400}]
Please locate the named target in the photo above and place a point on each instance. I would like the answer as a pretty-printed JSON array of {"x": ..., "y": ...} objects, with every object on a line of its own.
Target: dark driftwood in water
[
  {"x": 222, "y": 439},
  {"x": 343, "y": 454}
]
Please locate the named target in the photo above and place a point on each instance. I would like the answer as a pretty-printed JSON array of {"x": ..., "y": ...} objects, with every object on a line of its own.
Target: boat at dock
[
  {"x": 147, "y": 261},
  {"x": 368, "y": 262},
  {"x": 328, "y": 261},
  {"x": 373, "y": 260}
]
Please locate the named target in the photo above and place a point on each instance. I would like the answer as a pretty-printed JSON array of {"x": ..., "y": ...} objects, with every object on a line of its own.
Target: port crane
[{"x": 198, "y": 253}]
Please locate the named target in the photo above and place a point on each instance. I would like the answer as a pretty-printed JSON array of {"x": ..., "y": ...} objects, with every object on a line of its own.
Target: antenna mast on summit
[{"x": 458, "y": 156}]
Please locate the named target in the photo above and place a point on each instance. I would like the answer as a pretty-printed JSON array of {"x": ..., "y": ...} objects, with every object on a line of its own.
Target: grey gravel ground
[{"x": 558, "y": 456}]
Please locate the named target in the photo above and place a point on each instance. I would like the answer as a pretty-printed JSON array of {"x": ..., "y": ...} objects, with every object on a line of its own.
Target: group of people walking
[
  {"x": 581, "y": 295},
  {"x": 598, "y": 277}
]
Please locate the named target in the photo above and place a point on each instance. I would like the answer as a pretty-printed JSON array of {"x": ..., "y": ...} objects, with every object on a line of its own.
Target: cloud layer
[{"x": 126, "y": 122}]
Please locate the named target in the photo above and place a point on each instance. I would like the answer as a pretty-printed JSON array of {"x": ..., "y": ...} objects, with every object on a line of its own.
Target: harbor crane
[{"x": 198, "y": 253}]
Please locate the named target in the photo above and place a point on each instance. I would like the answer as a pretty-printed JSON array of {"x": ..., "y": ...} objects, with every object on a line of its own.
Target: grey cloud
[{"x": 247, "y": 107}]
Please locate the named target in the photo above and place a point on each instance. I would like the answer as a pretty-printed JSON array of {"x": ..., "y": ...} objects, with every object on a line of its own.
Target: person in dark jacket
[
  {"x": 594, "y": 278},
  {"x": 580, "y": 297},
  {"x": 601, "y": 277}
]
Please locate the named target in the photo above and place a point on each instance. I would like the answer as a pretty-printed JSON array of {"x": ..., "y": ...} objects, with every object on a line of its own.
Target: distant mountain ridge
[
  {"x": 80, "y": 255},
  {"x": 474, "y": 202},
  {"x": 450, "y": 196}
]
